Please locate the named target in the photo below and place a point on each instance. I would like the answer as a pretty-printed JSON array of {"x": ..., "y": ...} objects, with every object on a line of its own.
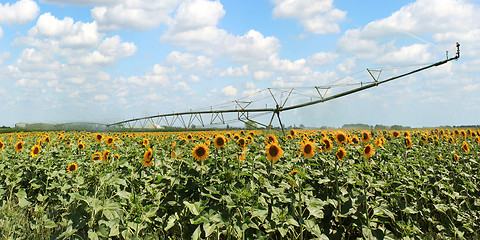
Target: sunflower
[
  {"x": 242, "y": 142},
  {"x": 145, "y": 142},
  {"x": 455, "y": 157},
  {"x": 106, "y": 155},
  {"x": 408, "y": 142},
  {"x": 341, "y": 154},
  {"x": 72, "y": 167},
  {"x": 354, "y": 140},
  {"x": 456, "y": 132},
  {"x": 465, "y": 147},
  {"x": 81, "y": 146},
  {"x": 35, "y": 151},
  {"x": 293, "y": 172},
  {"x": 19, "y": 146},
  {"x": 292, "y": 132},
  {"x": 46, "y": 139},
  {"x": 148, "y": 157},
  {"x": 219, "y": 142},
  {"x": 477, "y": 139},
  {"x": 98, "y": 137},
  {"x": 365, "y": 137},
  {"x": 341, "y": 137},
  {"x": 368, "y": 151},
  {"x": 327, "y": 144},
  {"x": 451, "y": 140},
  {"x": 406, "y": 134},
  {"x": 1, "y": 145},
  {"x": 109, "y": 141},
  {"x": 271, "y": 139},
  {"x": 395, "y": 134},
  {"x": 200, "y": 152},
  {"x": 96, "y": 156},
  {"x": 308, "y": 150},
  {"x": 274, "y": 152}
]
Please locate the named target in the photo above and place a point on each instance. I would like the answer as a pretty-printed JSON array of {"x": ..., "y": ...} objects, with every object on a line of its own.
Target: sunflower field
[{"x": 305, "y": 184}]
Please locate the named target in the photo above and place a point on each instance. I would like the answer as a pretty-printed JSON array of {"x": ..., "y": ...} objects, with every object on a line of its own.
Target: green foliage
[{"x": 398, "y": 193}]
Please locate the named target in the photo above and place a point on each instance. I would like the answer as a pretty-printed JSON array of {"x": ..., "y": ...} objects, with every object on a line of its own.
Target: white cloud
[
  {"x": 192, "y": 15},
  {"x": 155, "y": 97},
  {"x": 1, "y": 33},
  {"x": 81, "y": 2},
  {"x": 20, "y": 12},
  {"x": 471, "y": 87},
  {"x": 236, "y": 72},
  {"x": 4, "y": 56},
  {"x": 189, "y": 62},
  {"x": 229, "y": 91},
  {"x": 447, "y": 20},
  {"x": 116, "y": 48},
  {"x": 409, "y": 54},
  {"x": 33, "y": 60},
  {"x": 189, "y": 30},
  {"x": 183, "y": 87},
  {"x": 28, "y": 83},
  {"x": 347, "y": 66},
  {"x": 321, "y": 59},
  {"x": 262, "y": 75},
  {"x": 194, "y": 78},
  {"x": 66, "y": 32},
  {"x": 139, "y": 15},
  {"x": 101, "y": 97},
  {"x": 316, "y": 16},
  {"x": 76, "y": 80}
]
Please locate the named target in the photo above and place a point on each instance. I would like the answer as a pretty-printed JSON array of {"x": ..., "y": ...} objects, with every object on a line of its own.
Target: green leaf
[
  {"x": 114, "y": 231},
  {"x": 196, "y": 233},
  {"x": 22, "y": 198},
  {"x": 194, "y": 208},
  {"x": 209, "y": 229},
  {"x": 282, "y": 231},
  {"x": 315, "y": 211},
  {"x": 124, "y": 194},
  {"x": 49, "y": 224},
  {"x": 171, "y": 221},
  {"x": 261, "y": 214},
  {"x": 92, "y": 235}
]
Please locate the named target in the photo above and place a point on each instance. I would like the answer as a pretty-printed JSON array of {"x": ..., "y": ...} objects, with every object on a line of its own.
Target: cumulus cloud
[
  {"x": 188, "y": 61},
  {"x": 115, "y": 47},
  {"x": 262, "y": 75},
  {"x": 321, "y": 58},
  {"x": 236, "y": 72},
  {"x": 66, "y": 32},
  {"x": 81, "y": 2},
  {"x": 316, "y": 16},
  {"x": 229, "y": 91},
  {"x": 139, "y": 15},
  {"x": 101, "y": 97},
  {"x": 33, "y": 60},
  {"x": 20, "y": 12},
  {"x": 447, "y": 20},
  {"x": 192, "y": 29}
]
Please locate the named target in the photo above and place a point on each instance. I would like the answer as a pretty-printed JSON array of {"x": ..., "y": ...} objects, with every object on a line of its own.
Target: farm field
[{"x": 306, "y": 184}]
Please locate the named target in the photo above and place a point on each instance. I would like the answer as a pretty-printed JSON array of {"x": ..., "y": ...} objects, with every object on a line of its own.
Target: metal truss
[{"x": 244, "y": 111}]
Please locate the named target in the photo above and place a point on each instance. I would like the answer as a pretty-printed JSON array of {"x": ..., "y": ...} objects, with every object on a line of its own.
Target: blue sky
[{"x": 110, "y": 60}]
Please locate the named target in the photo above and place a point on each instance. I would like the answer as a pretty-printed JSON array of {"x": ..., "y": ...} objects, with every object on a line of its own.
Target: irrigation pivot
[{"x": 246, "y": 113}]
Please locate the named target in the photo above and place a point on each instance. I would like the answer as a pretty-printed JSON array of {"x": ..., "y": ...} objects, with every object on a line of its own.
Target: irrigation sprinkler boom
[{"x": 243, "y": 112}]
